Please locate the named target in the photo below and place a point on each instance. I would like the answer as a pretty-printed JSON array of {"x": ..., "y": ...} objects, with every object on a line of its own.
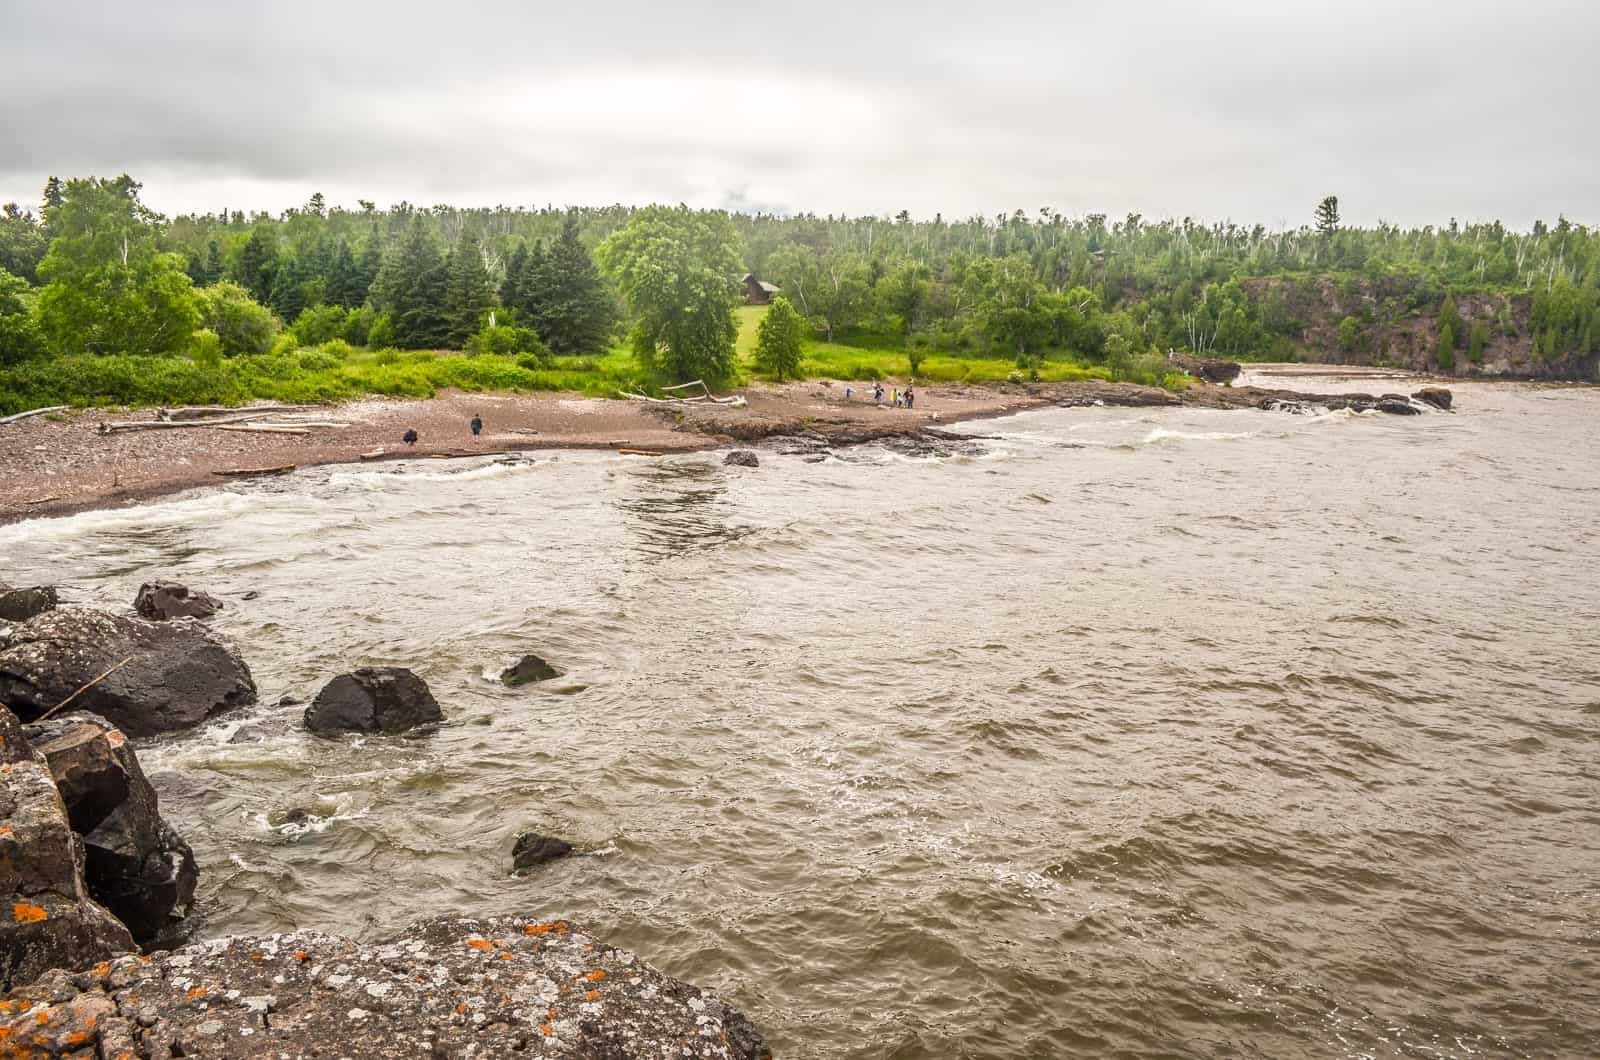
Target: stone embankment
[{"x": 94, "y": 873}]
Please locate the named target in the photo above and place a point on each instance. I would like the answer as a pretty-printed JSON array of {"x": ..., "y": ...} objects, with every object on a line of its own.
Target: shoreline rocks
[
  {"x": 741, "y": 458},
  {"x": 19, "y": 605},
  {"x": 53, "y": 921},
  {"x": 153, "y": 677},
  {"x": 449, "y": 987},
  {"x": 1437, "y": 396},
  {"x": 373, "y": 699},
  {"x": 162, "y": 600},
  {"x": 532, "y": 849},
  {"x": 135, "y": 864}
]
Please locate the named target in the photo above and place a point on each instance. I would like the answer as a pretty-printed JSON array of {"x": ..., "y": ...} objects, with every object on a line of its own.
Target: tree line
[{"x": 94, "y": 271}]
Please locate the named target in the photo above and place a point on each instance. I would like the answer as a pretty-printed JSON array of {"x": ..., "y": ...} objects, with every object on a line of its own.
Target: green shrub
[
  {"x": 386, "y": 357},
  {"x": 285, "y": 344},
  {"x": 358, "y": 326},
  {"x": 320, "y": 323},
  {"x": 382, "y": 332},
  {"x": 241, "y": 324},
  {"x": 206, "y": 348},
  {"x": 506, "y": 340}
]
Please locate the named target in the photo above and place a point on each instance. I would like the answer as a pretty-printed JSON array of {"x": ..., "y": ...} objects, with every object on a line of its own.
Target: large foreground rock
[
  {"x": 48, "y": 920},
  {"x": 177, "y": 674},
  {"x": 135, "y": 864},
  {"x": 160, "y": 600},
  {"x": 446, "y": 988},
  {"x": 386, "y": 699}
]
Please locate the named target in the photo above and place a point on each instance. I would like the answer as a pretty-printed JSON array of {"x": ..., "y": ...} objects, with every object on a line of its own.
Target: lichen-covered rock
[
  {"x": 163, "y": 676},
  {"x": 742, "y": 458},
  {"x": 386, "y": 699},
  {"x": 19, "y": 605},
  {"x": 48, "y": 920},
  {"x": 135, "y": 864},
  {"x": 532, "y": 849},
  {"x": 529, "y": 669},
  {"x": 446, "y": 988},
  {"x": 160, "y": 600}
]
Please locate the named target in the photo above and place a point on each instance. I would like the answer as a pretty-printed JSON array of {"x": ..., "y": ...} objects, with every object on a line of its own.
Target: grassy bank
[{"x": 336, "y": 372}]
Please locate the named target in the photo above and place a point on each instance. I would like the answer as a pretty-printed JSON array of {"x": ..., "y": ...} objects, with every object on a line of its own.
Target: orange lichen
[
  {"x": 558, "y": 926},
  {"x": 593, "y": 995},
  {"x": 301, "y": 955},
  {"x": 548, "y": 1030},
  {"x": 29, "y": 914},
  {"x": 198, "y": 991},
  {"x": 506, "y": 956},
  {"x": 6, "y": 831},
  {"x": 76, "y": 1038},
  {"x": 256, "y": 956},
  {"x": 103, "y": 968},
  {"x": 43, "y": 1017},
  {"x": 550, "y": 1014},
  {"x": 594, "y": 976},
  {"x": 461, "y": 1009},
  {"x": 480, "y": 944}
]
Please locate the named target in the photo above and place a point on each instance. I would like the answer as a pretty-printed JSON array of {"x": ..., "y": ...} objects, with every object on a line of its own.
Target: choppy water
[{"x": 1173, "y": 732}]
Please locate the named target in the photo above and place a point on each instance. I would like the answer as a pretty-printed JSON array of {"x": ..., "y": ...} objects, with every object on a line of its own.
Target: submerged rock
[
  {"x": 19, "y": 605},
  {"x": 381, "y": 699},
  {"x": 1437, "y": 396},
  {"x": 1397, "y": 405},
  {"x": 742, "y": 458},
  {"x": 529, "y": 669},
  {"x": 153, "y": 677},
  {"x": 532, "y": 849},
  {"x": 445, "y": 988},
  {"x": 135, "y": 864},
  {"x": 161, "y": 600},
  {"x": 52, "y": 921}
]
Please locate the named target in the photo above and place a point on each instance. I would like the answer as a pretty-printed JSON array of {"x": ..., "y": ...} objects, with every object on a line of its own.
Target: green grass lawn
[{"x": 336, "y": 372}]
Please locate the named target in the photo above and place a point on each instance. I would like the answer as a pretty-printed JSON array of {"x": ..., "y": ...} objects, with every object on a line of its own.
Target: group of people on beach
[
  {"x": 411, "y": 436},
  {"x": 900, "y": 399}
]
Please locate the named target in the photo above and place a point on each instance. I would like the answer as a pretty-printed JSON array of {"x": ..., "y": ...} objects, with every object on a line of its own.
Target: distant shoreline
[{"x": 60, "y": 465}]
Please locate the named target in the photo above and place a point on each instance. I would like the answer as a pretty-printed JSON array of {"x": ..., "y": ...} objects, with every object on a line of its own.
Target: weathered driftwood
[
  {"x": 255, "y": 472},
  {"x": 375, "y": 454},
  {"x": 258, "y": 429},
  {"x": 32, "y": 412},
  {"x": 640, "y": 452},
  {"x": 200, "y": 412},
  {"x": 220, "y": 423},
  {"x": 736, "y": 401}
]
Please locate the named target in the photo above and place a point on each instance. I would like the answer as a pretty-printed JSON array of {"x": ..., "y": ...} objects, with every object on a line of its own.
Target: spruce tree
[
  {"x": 469, "y": 294},
  {"x": 214, "y": 266},
  {"x": 344, "y": 279},
  {"x": 409, "y": 291},
  {"x": 1328, "y": 215},
  {"x": 287, "y": 298},
  {"x": 578, "y": 311},
  {"x": 255, "y": 266},
  {"x": 511, "y": 286}
]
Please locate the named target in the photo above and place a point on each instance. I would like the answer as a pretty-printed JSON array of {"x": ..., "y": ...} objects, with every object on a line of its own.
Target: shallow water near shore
[{"x": 1138, "y": 732}]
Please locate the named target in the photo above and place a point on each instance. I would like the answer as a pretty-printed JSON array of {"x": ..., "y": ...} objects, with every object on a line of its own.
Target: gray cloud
[{"x": 1413, "y": 111}]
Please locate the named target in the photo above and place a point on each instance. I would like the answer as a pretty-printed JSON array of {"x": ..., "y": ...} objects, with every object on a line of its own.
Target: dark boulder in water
[
  {"x": 19, "y": 605},
  {"x": 742, "y": 458},
  {"x": 161, "y": 600},
  {"x": 51, "y": 920},
  {"x": 1437, "y": 396},
  {"x": 135, "y": 864},
  {"x": 532, "y": 849},
  {"x": 444, "y": 988},
  {"x": 1397, "y": 405},
  {"x": 377, "y": 699},
  {"x": 144, "y": 677},
  {"x": 529, "y": 669}
]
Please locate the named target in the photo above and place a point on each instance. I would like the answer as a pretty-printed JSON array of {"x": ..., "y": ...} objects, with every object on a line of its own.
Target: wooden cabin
[{"x": 758, "y": 292}]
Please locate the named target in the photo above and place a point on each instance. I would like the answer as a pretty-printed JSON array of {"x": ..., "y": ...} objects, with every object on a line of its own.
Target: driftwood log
[{"x": 32, "y": 412}]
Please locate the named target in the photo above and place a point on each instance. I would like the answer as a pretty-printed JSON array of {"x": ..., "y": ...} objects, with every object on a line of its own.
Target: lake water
[{"x": 1141, "y": 732}]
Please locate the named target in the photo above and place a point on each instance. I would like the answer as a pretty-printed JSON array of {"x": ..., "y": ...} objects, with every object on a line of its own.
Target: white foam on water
[
  {"x": 1161, "y": 434},
  {"x": 212, "y": 506}
]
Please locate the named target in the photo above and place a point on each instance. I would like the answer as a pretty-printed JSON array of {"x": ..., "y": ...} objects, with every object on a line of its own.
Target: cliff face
[{"x": 1397, "y": 326}]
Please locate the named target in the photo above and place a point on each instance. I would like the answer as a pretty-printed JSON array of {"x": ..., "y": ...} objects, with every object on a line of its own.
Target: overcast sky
[{"x": 1413, "y": 111}]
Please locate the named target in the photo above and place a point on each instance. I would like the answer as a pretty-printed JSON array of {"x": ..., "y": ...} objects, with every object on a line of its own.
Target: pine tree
[
  {"x": 409, "y": 291},
  {"x": 778, "y": 341},
  {"x": 53, "y": 196},
  {"x": 1328, "y": 215},
  {"x": 370, "y": 262},
  {"x": 468, "y": 295},
  {"x": 287, "y": 298},
  {"x": 214, "y": 266},
  {"x": 255, "y": 266},
  {"x": 511, "y": 286},
  {"x": 577, "y": 311},
  {"x": 344, "y": 279}
]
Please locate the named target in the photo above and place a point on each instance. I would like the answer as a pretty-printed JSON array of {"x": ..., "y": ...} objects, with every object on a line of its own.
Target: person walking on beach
[
  {"x": 877, "y": 392},
  {"x": 910, "y": 397},
  {"x": 477, "y": 425},
  {"x": 894, "y": 397}
]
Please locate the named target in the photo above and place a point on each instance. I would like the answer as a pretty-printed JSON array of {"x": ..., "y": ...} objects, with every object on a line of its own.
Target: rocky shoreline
[
  {"x": 51, "y": 466},
  {"x": 101, "y": 886}
]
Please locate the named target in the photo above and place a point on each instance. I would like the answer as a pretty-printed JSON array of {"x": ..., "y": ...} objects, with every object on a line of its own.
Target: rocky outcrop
[
  {"x": 135, "y": 864},
  {"x": 1437, "y": 396},
  {"x": 379, "y": 699},
  {"x": 19, "y": 605},
  {"x": 1397, "y": 405},
  {"x": 529, "y": 669},
  {"x": 161, "y": 600},
  {"x": 742, "y": 458},
  {"x": 49, "y": 919},
  {"x": 154, "y": 676},
  {"x": 532, "y": 849},
  {"x": 1212, "y": 370},
  {"x": 446, "y": 988}
]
